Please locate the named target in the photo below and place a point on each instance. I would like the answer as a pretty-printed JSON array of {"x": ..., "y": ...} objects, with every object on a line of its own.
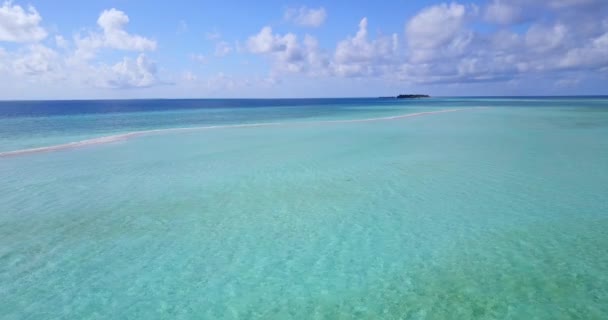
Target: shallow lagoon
[{"x": 487, "y": 213}]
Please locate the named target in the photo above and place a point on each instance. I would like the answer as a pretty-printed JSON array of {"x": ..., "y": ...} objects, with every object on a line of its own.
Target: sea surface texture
[{"x": 443, "y": 208}]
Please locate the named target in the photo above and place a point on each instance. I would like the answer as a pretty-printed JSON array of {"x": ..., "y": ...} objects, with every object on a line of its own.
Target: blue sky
[{"x": 197, "y": 49}]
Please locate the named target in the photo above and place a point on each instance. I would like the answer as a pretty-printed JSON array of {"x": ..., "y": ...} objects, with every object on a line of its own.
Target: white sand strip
[{"x": 125, "y": 136}]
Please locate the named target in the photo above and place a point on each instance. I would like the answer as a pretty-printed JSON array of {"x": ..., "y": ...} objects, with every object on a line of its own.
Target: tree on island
[{"x": 412, "y": 96}]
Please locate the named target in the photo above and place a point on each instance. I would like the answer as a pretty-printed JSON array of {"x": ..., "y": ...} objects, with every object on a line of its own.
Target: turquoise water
[{"x": 485, "y": 213}]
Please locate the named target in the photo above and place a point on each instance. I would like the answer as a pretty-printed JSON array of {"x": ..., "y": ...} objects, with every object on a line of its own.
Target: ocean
[{"x": 440, "y": 208}]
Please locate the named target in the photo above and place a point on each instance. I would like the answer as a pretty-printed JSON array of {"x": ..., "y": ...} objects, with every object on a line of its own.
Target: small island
[
  {"x": 412, "y": 96},
  {"x": 408, "y": 96}
]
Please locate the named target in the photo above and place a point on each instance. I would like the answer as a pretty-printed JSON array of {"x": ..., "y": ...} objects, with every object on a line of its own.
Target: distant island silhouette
[
  {"x": 412, "y": 96},
  {"x": 408, "y": 96}
]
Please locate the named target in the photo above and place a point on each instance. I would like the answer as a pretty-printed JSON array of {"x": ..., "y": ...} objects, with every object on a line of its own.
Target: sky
[{"x": 119, "y": 49}]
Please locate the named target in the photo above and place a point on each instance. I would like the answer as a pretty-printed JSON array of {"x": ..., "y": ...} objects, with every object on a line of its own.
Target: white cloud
[
  {"x": 543, "y": 38},
  {"x": 436, "y": 31},
  {"x": 355, "y": 56},
  {"x": 457, "y": 54},
  {"x": 61, "y": 42},
  {"x": 592, "y": 55},
  {"x": 571, "y": 3},
  {"x": 285, "y": 50},
  {"x": 503, "y": 12},
  {"x": 3, "y": 60},
  {"x": 31, "y": 63},
  {"x": 266, "y": 42},
  {"x": 306, "y": 17},
  {"x": 316, "y": 61},
  {"x": 441, "y": 44},
  {"x": 20, "y": 25},
  {"x": 435, "y": 26},
  {"x": 358, "y": 56},
  {"x": 509, "y": 12},
  {"x": 37, "y": 60},
  {"x": 129, "y": 73},
  {"x": 222, "y": 49},
  {"x": 71, "y": 63},
  {"x": 112, "y": 23}
]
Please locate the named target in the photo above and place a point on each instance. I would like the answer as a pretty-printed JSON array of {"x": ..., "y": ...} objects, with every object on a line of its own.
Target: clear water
[{"x": 494, "y": 213}]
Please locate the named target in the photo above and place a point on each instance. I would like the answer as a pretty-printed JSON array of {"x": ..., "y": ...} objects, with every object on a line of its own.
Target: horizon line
[{"x": 310, "y": 98}]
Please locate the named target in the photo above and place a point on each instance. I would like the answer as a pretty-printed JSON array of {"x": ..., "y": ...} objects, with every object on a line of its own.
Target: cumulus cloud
[
  {"x": 544, "y": 38},
  {"x": 355, "y": 56},
  {"x": 37, "y": 60},
  {"x": 32, "y": 62},
  {"x": 61, "y": 42},
  {"x": 287, "y": 52},
  {"x": 448, "y": 43},
  {"x": 510, "y": 12},
  {"x": 442, "y": 45},
  {"x": 112, "y": 22},
  {"x": 359, "y": 56},
  {"x": 460, "y": 55},
  {"x": 503, "y": 12},
  {"x": 266, "y": 42},
  {"x": 592, "y": 55},
  {"x": 3, "y": 61},
  {"x": 20, "y": 25},
  {"x": 113, "y": 35},
  {"x": 129, "y": 73},
  {"x": 306, "y": 17},
  {"x": 71, "y": 62},
  {"x": 571, "y": 3},
  {"x": 438, "y": 30},
  {"x": 436, "y": 25}
]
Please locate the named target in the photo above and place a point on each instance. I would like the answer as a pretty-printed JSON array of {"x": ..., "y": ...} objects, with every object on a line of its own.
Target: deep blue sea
[{"x": 440, "y": 208}]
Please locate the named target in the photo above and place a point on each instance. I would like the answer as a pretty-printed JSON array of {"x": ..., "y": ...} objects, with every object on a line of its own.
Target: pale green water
[{"x": 498, "y": 213}]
